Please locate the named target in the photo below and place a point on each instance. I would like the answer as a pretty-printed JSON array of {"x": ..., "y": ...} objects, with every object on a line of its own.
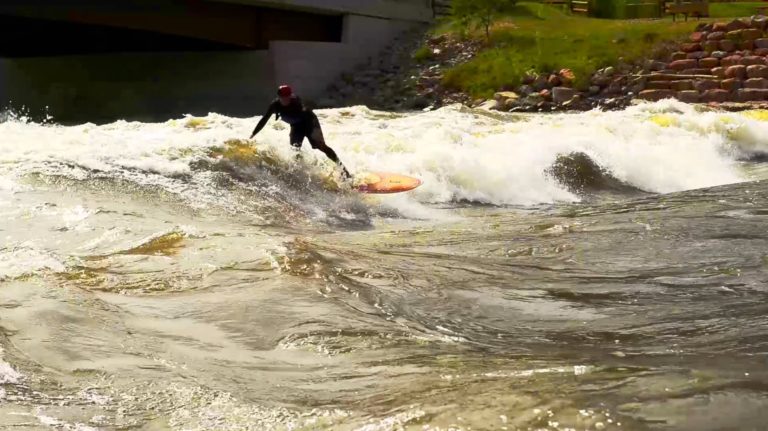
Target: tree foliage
[{"x": 480, "y": 12}]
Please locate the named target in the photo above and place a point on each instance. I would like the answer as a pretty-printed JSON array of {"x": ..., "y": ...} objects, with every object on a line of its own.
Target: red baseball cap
[{"x": 285, "y": 91}]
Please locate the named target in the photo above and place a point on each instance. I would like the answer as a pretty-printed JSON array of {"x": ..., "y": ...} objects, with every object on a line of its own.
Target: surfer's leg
[
  {"x": 319, "y": 144},
  {"x": 317, "y": 141},
  {"x": 297, "y": 137}
]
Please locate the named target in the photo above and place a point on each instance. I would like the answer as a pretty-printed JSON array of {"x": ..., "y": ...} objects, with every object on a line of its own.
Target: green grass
[
  {"x": 542, "y": 38},
  {"x": 734, "y": 10},
  {"x": 422, "y": 54}
]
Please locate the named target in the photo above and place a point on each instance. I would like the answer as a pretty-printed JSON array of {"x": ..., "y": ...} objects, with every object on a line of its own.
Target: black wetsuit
[{"x": 304, "y": 124}]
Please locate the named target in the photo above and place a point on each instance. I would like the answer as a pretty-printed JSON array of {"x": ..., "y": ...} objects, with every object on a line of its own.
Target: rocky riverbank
[
  {"x": 723, "y": 64},
  {"x": 405, "y": 76}
]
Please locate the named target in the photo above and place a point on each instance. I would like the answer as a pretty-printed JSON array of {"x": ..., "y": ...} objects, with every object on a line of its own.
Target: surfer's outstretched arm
[{"x": 264, "y": 119}]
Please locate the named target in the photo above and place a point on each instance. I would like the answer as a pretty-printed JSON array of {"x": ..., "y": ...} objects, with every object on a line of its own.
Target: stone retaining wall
[{"x": 720, "y": 63}]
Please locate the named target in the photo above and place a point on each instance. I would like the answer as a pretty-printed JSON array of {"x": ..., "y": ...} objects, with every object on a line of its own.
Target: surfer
[{"x": 304, "y": 124}]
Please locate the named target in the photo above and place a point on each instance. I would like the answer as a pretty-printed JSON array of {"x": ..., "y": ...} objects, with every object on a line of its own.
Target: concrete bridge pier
[
  {"x": 151, "y": 60},
  {"x": 312, "y": 66}
]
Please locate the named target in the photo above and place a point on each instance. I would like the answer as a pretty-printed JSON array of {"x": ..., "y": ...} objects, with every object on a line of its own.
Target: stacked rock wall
[{"x": 720, "y": 63}]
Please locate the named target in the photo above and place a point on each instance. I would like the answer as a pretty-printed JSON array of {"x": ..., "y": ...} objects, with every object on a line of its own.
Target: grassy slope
[
  {"x": 731, "y": 10},
  {"x": 543, "y": 38}
]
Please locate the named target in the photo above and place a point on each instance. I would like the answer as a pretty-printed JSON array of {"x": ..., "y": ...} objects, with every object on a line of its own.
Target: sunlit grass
[{"x": 542, "y": 38}]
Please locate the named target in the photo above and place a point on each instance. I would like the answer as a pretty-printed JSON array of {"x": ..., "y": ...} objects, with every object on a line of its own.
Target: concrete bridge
[{"x": 91, "y": 60}]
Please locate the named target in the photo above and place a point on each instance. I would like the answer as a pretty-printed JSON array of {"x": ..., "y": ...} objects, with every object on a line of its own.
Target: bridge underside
[
  {"x": 247, "y": 27},
  {"x": 82, "y": 60}
]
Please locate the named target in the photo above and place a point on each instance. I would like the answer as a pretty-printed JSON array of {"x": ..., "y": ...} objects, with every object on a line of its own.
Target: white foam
[
  {"x": 9, "y": 185},
  {"x": 458, "y": 153},
  {"x": 74, "y": 217},
  {"x": 464, "y": 156},
  {"x": 7, "y": 374},
  {"x": 59, "y": 424},
  {"x": 17, "y": 260}
]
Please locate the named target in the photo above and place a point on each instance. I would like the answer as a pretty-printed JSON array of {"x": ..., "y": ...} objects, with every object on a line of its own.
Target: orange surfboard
[{"x": 385, "y": 182}]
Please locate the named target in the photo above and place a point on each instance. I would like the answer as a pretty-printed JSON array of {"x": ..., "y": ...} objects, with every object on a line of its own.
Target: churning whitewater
[
  {"x": 599, "y": 270},
  {"x": 461, "y": 155}
]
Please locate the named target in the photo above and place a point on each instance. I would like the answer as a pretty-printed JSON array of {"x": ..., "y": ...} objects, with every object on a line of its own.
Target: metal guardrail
[{"x": 580, "y": 7}]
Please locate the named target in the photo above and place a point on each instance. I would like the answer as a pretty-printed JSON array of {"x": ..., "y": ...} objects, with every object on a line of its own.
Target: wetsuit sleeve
[
  {"x": 305, "y": 112},
  {"x": 307, "y": 106},
  {"x": 264, "y": 119}
]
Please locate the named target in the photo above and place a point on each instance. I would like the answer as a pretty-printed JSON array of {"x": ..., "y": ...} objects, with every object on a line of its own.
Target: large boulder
[
  {"x": 528, "y": 79},
  {"x": 716, "y": 35},
  {"x": 709, "y": 63},
  {"x": 656, "y": 95},
  {"x": 489, "y": 105},
  {"x": 503, "y": 96},
  {"x": 654, "y": 65},
  {"x": 563, "y": 94},
  {"x": 756, "y": 83},
  {"x": 738, "y": 71},
  {"x": 525, "y": 90},
  {"x": 716, "y": 96},
  {"x": 682, "y": 85},
  {"x": 710, "y": 45},
  {"x": 730, "y": 85},
  {"x": 751, "y": 34},
  {"x": 735, "y": 35},
  {"x": 689, "y": 96},
  {"x": 751, "y": 95},
  {"x": 683, "y": 64},
  {"x": 746, "y": 45},
  {"x": 731, "y": 60},
  {"x": 698, "y": 37},
  {"x": 761, "y": 43},
  {"x": 600, "y": 80},
  {"x": 718, "y": 72},
  {"x": 757, "y": 71},
  {"x": 690, "y": 47},
  {"x": 752, "y": 59},
  {"x": 540, "y": 83},
  {"x": 679, "y": 55},
  {"x": 727, "y": 45},
  {"x": 706, "y": 85},
  {"x": 736, "y": 24},
  {"x": 566, "y": 77},
  {"x": 758, "y": 22}
]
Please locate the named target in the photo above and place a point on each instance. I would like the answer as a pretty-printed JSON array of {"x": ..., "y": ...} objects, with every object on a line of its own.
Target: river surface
[{"x": 591, "y": 271}]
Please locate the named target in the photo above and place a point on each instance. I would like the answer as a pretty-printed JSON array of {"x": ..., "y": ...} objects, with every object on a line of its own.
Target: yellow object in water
[
  {"x": 664, "y": 120},
  {"x": 196, "y": 123},
  {"x": 756, "y": 114},
  {"x": 242, "y": 152}
]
